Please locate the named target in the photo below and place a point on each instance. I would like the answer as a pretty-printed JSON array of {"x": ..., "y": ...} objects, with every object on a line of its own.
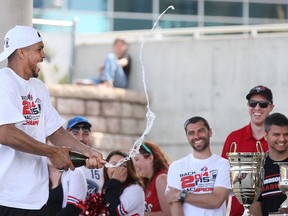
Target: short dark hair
[
  {"x": 277, "y": 119},
  {"x": 121, "y": 40},
  {"x": 194, "y": 120}
]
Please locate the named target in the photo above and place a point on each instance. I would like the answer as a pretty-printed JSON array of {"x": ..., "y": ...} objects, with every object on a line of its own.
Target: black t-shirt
[
  {"x": 55, "y": 200},
  {"x": 127, "y": 68},
  {"x": 271, "y": 197}
]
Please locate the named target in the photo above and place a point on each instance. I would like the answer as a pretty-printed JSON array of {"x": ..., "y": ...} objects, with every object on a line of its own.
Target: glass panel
[
  {"x": 99, "y": 5},
  {"x": 141, "y": 6},
  {"x": 220, "y": 24},
  {"x": 43, "y": 4},
  {"x": 131, "y": 24},
  {"x": 176, "y": 24},
  {"x": 276, "y": 11},
  {"x": 181, "y": 6},
  {"x": 233, "y": 9}
]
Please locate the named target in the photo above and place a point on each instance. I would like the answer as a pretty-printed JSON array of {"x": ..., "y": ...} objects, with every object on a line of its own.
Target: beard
[
  {"x": 34, "y": 74},
  {"x": 200, "y": 148},
  {"x": 34, "y": 69}
]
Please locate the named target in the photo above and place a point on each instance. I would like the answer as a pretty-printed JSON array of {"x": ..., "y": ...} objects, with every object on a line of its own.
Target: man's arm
[
  {"x": 15, "y": 138},
  {"x": 256, "y": 209},
  {"x": 176, "y": 209},
  {"x": 209, "y": 201}
]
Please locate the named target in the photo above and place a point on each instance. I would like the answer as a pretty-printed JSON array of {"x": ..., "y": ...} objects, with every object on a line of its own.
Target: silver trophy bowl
[{"x": 246, "y": 176}]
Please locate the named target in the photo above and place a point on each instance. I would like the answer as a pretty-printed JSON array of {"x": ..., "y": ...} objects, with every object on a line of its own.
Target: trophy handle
[
  {"x": 259, "y": 146},
  {"x": 234, "y": 146}
]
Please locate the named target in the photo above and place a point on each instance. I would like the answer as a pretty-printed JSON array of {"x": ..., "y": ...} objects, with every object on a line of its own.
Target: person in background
[
  {"x": 80, "y": 127},
  {"x": 123, "y": 188},
  {"x": 67, "y": 191},
  {"x": 27, "y": 120},
  {"x": 260, "y": 104},
  {"x": 116, "y": 69},
  {"x": 199, "y": 183},
  {"x": 276, "y": 128},
  {"x": 152, "y": 165}
]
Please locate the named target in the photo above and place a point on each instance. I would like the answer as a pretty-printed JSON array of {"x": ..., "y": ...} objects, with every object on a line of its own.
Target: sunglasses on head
[{"x": 262, "y": 104}]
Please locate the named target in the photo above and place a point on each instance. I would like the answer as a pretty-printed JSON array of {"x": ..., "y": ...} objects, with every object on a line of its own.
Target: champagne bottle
[{"x": 77, "y": 158}]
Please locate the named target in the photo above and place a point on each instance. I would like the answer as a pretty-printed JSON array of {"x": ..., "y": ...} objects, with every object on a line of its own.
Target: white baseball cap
[{"x": 19, "y": 37}]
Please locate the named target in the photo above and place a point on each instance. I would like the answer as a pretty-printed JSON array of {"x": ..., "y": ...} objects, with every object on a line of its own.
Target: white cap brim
[
  {"x": 19, "y": 37},
  {"x": 5, "y": 54}
]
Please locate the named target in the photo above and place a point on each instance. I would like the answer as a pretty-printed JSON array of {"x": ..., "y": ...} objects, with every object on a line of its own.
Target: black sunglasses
[
  {"x": 262, "y": 104},
  {"x": 76, "y": 129}
]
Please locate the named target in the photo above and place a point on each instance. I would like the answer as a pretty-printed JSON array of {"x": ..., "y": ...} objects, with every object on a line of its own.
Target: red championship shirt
[
  {"x": 245, "y": 143},
  {"x": 151, "y": 197}
]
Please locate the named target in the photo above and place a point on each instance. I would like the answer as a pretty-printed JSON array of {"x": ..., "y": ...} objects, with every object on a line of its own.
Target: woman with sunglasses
[
  {"x": 122, "y": 188},
  {"x": 152, "y": 166}
]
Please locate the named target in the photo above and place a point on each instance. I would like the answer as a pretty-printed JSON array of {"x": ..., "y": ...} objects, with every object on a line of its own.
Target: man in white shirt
[
  {"x": 199, "y": 183},
  {"x": 27, "y": 121}
]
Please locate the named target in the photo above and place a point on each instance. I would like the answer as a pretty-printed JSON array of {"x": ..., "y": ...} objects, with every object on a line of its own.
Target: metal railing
[
  {"x": 73, "y": 26},
  {"x": 196, "y": 33}
]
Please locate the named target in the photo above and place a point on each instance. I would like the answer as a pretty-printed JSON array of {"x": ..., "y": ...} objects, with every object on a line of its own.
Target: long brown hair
[
  {"x": 132, "y": 176},
  {"x": 160, "y": 161}
]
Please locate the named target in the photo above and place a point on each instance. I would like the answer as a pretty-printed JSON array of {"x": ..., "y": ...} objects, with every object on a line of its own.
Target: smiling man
[
  {"x": 199, "y": 183},
  {"x": 276, "y": 128},
  {"x": 27, "y": 120},
  {"x": 260, "y": 104}
]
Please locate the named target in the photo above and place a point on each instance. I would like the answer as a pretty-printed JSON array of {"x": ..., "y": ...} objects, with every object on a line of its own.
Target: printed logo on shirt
[
  {"x": 92, "y": 187},
  {"x": 31, "y": 109},
  {"x": 199, "y": 182},
  {"x": 270, "y": 185}
]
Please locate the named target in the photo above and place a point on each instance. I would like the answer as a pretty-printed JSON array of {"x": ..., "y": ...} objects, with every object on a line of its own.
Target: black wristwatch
[{"x": 183, "y": 196}]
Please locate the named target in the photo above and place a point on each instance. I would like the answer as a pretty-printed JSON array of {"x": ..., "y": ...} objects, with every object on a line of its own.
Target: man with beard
[
  {"x": 199, "y": 183},
  {"x": 276, "y": 128},
  {"x": 260, "y": 104},
  {"x": 27, "y": 121}
]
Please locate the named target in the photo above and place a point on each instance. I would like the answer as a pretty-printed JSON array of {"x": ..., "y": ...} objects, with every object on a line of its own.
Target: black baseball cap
[{"x": 262, "y": 90}]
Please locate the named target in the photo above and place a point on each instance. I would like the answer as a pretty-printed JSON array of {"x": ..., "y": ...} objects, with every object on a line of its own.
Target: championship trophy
[
  {"x": 246, "y": 175},
  {"x": 283, "y": 183}
]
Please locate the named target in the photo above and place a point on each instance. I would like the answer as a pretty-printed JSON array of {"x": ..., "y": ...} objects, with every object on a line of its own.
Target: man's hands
[
  {"x": 60, "y": 138},
  {"x": 95, "y": 159},
  {"x": 60, "y": 158}
]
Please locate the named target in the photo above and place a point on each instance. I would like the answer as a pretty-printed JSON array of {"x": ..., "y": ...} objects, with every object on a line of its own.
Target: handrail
[
  {"x": 196, "y": 32},
  {"x": 53, "y": 22}
]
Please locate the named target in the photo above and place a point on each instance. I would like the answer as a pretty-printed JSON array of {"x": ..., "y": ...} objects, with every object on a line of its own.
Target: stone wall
[{"x": 117, "y": 115}]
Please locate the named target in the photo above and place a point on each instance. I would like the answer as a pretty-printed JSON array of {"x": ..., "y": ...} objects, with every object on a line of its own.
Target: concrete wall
[
  {"x": 208, "y": 77},
  {"x": 14, "y": 12},
  {"x": 117, "y": 115}
]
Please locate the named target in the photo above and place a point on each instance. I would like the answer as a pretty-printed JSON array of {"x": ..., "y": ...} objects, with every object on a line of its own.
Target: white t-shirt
[
  {"x": 27, "y": 104},
  {"x": 94, "y": 178},
  {"x": 74, "y": 187},
  {"x": 132, "y": 201},
  {"x": 200, "y": 176}
]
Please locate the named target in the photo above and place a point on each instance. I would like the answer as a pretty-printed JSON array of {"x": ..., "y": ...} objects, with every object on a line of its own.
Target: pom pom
[{"x": 95, "y": 205}]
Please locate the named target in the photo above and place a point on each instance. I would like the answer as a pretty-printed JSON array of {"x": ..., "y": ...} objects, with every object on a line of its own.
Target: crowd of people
[{"x": 37, "y": 177}]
